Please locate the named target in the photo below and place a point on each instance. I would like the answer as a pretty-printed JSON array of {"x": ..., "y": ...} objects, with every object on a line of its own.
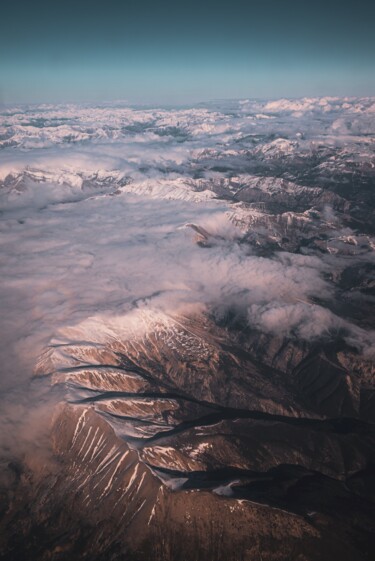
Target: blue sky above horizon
[{"x": 169, "y": 52}]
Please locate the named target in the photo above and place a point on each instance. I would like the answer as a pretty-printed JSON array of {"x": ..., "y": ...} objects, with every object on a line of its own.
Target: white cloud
[{"x": 93, "y": 225}]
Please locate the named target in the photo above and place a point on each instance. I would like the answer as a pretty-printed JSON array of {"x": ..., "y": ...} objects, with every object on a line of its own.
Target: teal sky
[{"x": 170, "y": 52}]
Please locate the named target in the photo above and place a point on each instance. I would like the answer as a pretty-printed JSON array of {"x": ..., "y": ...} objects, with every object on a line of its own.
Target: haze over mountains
[{"x": 188, "y": 333}]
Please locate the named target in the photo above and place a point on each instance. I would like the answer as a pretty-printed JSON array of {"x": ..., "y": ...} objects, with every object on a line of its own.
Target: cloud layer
[{"x": 102, "y": 209}]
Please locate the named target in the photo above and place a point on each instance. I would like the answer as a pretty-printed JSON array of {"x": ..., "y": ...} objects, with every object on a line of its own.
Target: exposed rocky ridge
[{"x": 194, "y": 469}]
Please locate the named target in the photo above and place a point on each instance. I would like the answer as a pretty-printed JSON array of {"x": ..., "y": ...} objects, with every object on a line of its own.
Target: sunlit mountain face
[{"x": 188, "y": 331}]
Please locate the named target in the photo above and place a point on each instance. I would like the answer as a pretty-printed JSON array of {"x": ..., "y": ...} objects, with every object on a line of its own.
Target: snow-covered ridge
[
  {"x": 44, "y": 126},
  {"x": 172, "y": 189},
  {"x": 59, "y": 184},
  {"x": 142, "y": 327}
]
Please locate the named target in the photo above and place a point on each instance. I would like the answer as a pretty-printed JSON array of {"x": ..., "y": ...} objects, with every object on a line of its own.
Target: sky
[{"x": 171, "y": 52}]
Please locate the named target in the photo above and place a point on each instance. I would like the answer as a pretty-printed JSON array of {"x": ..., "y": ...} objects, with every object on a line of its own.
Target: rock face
[
  {"x": 179, "y": 444},
  {"x": 194, "y": 294}
]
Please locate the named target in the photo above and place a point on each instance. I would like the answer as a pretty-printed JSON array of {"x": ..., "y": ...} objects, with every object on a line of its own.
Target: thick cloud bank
[{"x": 256, "y": 206}]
